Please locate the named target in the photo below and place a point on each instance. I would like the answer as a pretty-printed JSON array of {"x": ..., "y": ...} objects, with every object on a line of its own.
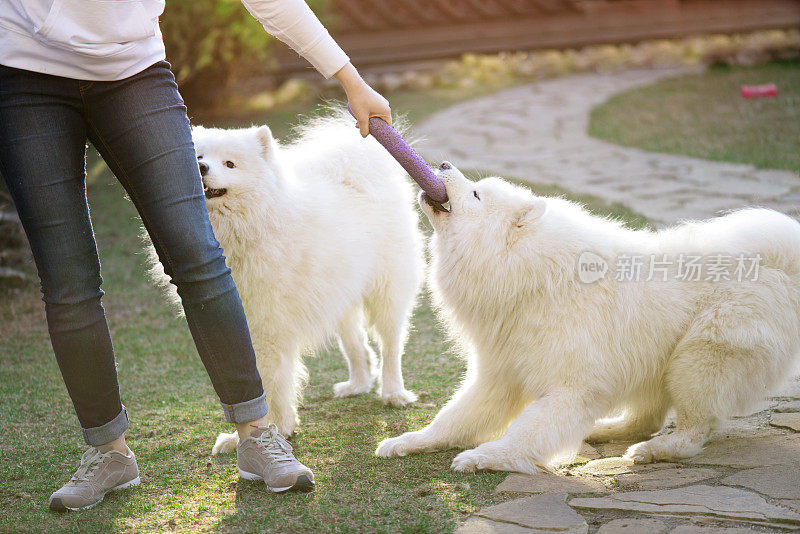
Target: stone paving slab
[
  {"x": 787, "y": 406},
  {"x": 665, "y": 478},
  {"x": 756, "y": 451},
  {"x": 692, "y": 529},
  {"x": 550, "y": 483},
  {"x": 792, "y": 504},
  {"x": 587, "y": 452},
  {"x": 617, "y": 465},
  {"x": 633, "y": 526},
  {"x": 545, "y": 513},
  {"x": 719, "y": 502},
  {"x": 480, "y": 525},
  {"x": 612, "y": 449},
  {"x": 748, "y": 426},
  {"x": 775, "y": 481},
  {"x": 786, "y": 420}
]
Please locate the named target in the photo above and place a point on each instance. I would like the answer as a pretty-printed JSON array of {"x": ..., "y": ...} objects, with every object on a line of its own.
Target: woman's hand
[{"x": 364, "y": 101}]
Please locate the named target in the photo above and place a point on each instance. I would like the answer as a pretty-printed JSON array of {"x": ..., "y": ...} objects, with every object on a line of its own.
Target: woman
[{"x": 72, "y": 70}]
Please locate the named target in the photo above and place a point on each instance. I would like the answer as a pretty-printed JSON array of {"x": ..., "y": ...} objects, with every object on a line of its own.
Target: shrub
[{"x": 211, "y": 42}]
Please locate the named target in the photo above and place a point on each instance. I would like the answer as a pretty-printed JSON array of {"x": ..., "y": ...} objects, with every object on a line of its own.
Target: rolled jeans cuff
[
  {"x": 246, "y": 411},
  {"x": 100, "y": 435}
]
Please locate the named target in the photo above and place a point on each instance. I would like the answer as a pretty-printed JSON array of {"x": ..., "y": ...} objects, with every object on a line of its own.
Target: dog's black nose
[
  {"x": 445, "y": 165},
  {"x": 203, "y": 168}
]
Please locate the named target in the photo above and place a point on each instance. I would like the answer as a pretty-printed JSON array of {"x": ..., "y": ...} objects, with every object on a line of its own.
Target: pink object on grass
[{"x": 755, "y": 91}]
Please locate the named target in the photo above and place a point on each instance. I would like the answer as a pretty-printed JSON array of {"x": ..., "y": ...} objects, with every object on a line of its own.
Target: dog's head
[
  {"x": 237, "y": 166},
  {"x": 480, "y": 249},
  {"x": 490, "y": 214}
]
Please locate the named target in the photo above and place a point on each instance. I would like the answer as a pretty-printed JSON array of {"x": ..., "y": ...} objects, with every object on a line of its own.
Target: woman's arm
[
  {"x": 293, "y": 22},
  {"x": 365, "y": 102}
]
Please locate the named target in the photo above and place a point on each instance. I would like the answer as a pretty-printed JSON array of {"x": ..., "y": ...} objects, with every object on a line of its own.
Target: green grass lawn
[
  {"x": 176, "y": 417},
  {"x": 704, "y": 115}
]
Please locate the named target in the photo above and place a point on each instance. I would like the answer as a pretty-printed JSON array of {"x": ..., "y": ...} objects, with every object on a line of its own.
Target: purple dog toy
[{"x": 408, "y": 158}]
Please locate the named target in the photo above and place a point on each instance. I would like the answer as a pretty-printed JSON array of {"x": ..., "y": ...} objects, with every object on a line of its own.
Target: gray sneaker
[
  {"x": 98, "y": 474},
  {"x": 267, "y": 456}
]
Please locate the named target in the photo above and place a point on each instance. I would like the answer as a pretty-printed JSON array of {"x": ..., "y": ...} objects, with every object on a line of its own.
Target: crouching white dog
[
  {"x": 558, "y": 334},
  {"x": 322, "y": 240}
]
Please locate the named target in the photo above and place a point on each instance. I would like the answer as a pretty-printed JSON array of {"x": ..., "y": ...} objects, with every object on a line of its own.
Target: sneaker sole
[
  {"x": 57, "y": 506},
  {"x": 302, "y": 484}
]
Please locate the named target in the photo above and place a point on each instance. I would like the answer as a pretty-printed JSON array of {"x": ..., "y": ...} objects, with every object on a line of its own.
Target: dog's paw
[
  {"x": 288, "y": 428},
  {"x": 225, "y": 443},
  {"x": 473, "y": 460},
  {"x": 398, "y": 398},
  {"x": 641, "y": 453},
  {"x": 495, "y": 456},
  {"x": 400, "y": 446},
  {"x": 348, "y": 389}
]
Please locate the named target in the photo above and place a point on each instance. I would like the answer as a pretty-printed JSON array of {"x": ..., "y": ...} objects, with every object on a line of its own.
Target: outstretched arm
[{"x": 293, "y": 22}]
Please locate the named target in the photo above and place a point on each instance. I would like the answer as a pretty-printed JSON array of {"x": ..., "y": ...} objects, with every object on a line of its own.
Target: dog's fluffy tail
[
  {"x": 225, "y": 443},
  {"x": 330, "y": 145},
  {"x": 335, "y": 118},
  {"x": 155, "y": 271}
]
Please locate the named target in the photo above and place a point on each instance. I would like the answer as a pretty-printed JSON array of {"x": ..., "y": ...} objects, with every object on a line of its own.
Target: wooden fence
[{"x": 387, "y": 31}]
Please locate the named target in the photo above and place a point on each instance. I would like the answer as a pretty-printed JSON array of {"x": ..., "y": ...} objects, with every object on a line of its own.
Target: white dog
[
  {"x": 322, "y": 240},
  {"x": 550, "y": 355}
]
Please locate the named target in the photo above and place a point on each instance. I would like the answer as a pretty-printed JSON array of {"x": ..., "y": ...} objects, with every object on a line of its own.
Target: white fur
[
  {"x": 322, "y": 239},
  {"x": 549, "y": 356}
]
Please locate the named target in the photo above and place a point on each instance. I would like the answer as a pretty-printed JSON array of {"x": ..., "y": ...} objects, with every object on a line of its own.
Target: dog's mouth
[
  {"x": 210, "y": 192},
  {"x": 435, "y": 206}
]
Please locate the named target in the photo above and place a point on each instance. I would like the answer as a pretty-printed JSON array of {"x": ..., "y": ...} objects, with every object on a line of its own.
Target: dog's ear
[
  {"x": 529, "y": 212},
  {"x": 265, "y": 139}
]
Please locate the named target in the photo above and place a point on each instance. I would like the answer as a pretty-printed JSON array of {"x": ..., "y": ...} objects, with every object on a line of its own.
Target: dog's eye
[
  {"x": 230, "y": 164},
  {"x": 199, "y": 156},
  {"x": 476, "y": 194}
]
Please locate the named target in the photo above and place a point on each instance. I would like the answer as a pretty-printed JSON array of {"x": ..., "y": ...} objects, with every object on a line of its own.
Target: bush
[
  {"x": 205, "y": 39},
  {"x": 211, "y": 42}
]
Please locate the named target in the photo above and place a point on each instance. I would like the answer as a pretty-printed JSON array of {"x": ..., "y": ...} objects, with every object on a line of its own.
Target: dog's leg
[
  {"x": 476, "y": 413},
  {"x": 226, "y": 443},
  {"x": 360, "y": 358},
  {"x": 644, "y": 416},
  {"x": 389, "y": 311},
  {"x": 685, "y": 441},
  {"x": 702, "y": 379},
  {"x": 283, "y": 374},
  {"x": 728, "y": 359},
  {"x": 548, "y": 427}
]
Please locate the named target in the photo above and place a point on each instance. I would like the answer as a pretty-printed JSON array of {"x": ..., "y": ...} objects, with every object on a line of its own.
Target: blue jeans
[{"x": 140, "y": 127}]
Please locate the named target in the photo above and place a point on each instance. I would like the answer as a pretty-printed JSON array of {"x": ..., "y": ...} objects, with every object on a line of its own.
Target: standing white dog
[
  {"x": 549, "y": 354},
  {"x": 322, "y": 240}
]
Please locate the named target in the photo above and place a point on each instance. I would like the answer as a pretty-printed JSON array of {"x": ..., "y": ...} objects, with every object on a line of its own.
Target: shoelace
[
  {"x": 90, "y": 461},
  {"x": 274, "y": 444}
]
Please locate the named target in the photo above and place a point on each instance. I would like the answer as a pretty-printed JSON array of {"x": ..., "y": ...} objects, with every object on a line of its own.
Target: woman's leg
[
  {"x": 42, "y": 151},
  {"x": 140, "y": 127}
]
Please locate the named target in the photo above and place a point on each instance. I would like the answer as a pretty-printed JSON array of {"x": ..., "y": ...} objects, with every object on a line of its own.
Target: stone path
[
  {"x": 748, "y": 477},
  {"x": 538, "y": 133}
]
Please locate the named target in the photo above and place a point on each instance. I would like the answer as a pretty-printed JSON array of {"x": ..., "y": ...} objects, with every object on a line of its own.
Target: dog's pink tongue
[{"x": 408, "y": 158}]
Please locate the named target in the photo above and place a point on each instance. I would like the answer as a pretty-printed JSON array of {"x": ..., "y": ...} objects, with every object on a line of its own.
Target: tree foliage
[{"x": 209, "y": 42}]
